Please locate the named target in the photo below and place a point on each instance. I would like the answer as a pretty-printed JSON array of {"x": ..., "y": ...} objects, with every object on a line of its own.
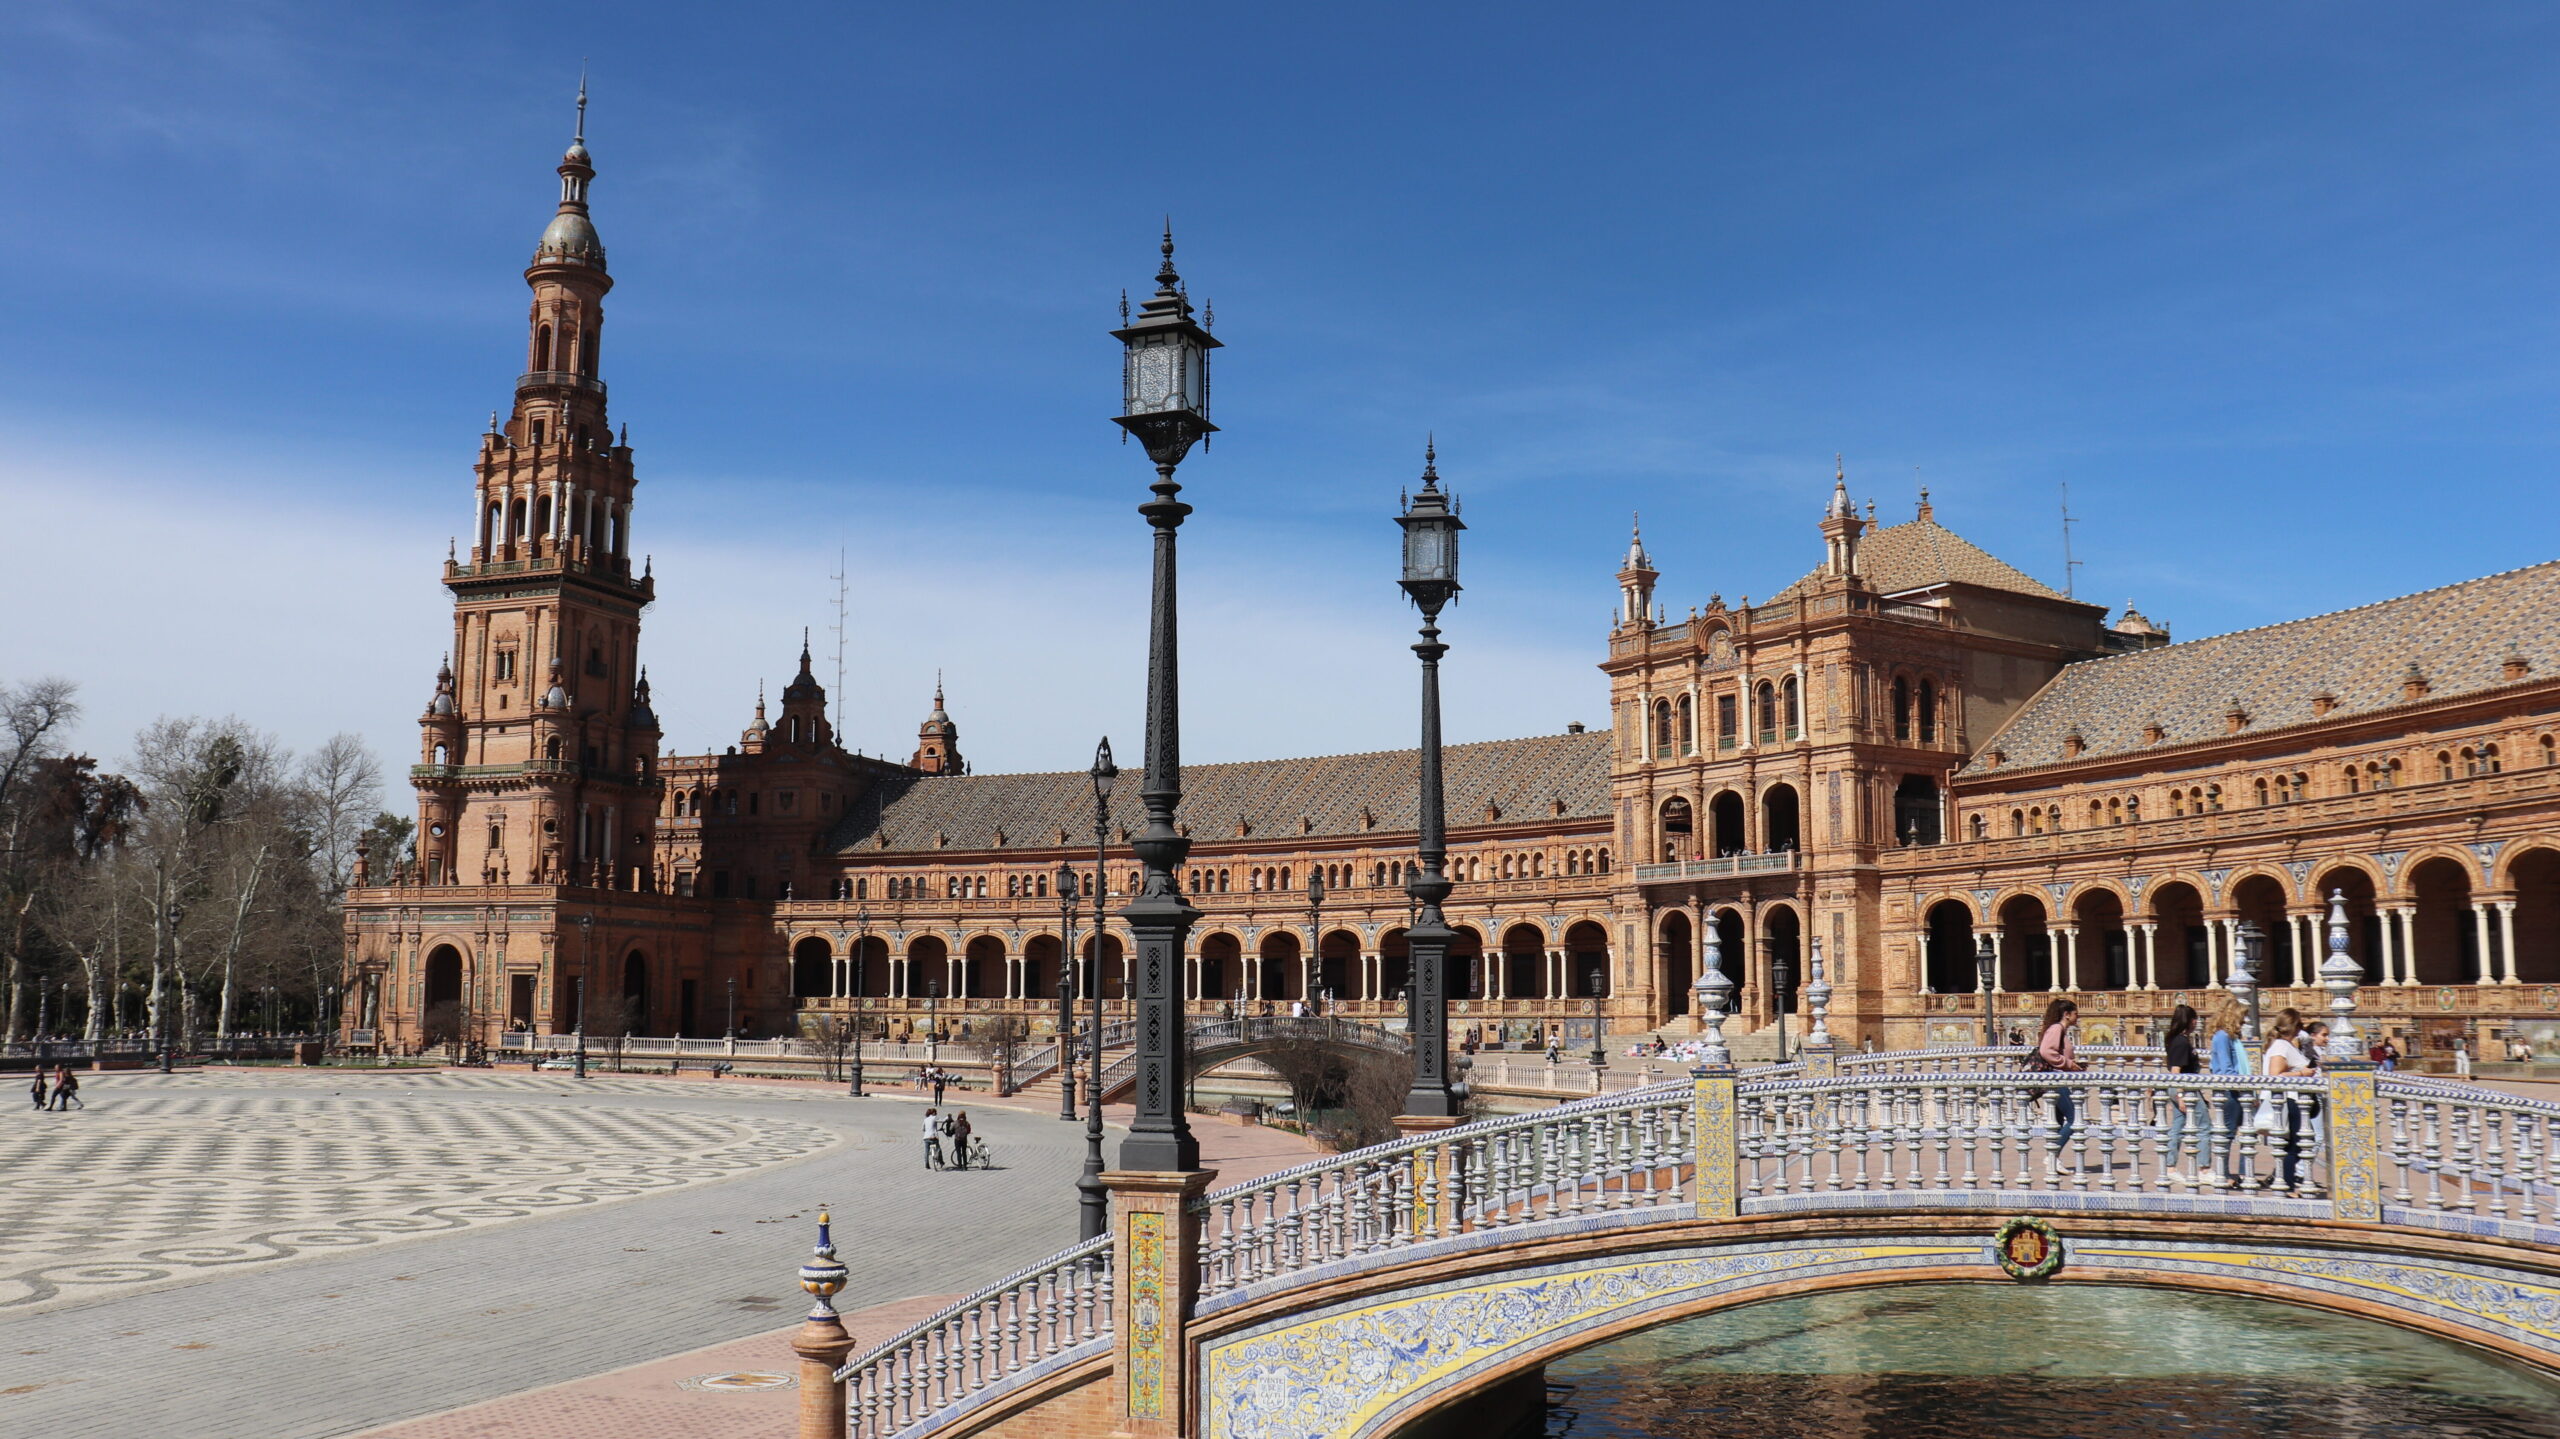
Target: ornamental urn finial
[{"x": 824, "y": 1275}]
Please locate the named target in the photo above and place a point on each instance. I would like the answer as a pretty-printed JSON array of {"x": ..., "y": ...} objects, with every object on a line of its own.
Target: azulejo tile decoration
[{"x": 1147, "y": 1336}]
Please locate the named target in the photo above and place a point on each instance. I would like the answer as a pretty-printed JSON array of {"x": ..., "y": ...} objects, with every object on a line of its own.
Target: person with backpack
[
  {"x": 932, "y": 1140},
  {"x": 2057, "y": 1051},
  {"x": 960, "y": 1140},
  {"x": 66, "y": 1089},
  {"x": 2178, "y": 1054},
  {"x": 38, "y": 1090}
]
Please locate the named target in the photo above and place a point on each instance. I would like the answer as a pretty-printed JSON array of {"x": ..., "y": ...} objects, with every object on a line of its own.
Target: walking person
[
  {"x": 66, "y": 1089},
  {"x": 2461, "y": 1059},
  {"x": 960, "y": 1140},
  {"x": 2058, "y": 1052},
  {"x": 2187, "y": 1107},
  {"x": 38, "y": 1089},
  {"x": 939, "y": 1079}
]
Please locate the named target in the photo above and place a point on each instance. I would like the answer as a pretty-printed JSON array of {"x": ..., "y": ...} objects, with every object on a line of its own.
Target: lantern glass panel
[{"x": 1430, "y": 552}]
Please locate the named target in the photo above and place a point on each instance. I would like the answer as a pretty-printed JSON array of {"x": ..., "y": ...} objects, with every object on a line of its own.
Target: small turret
[
  {"x": 1635, "y": 580},
  {"x": 804, "y": 705},
  {"x": 937, "y": 740},
  {"x": 1841, "y": 526},
  {"x": 642, "y": 716}
]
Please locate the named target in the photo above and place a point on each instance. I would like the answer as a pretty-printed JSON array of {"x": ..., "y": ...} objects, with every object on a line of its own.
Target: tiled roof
[
  {"x": 1280, "y": 800},
  {"x": 1924, "y": 552},
  {"x": 2459, "y": 637}
]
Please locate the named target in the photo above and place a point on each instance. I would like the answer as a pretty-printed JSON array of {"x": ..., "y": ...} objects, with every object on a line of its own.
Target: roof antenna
[{"x": 2070, "y": 566}]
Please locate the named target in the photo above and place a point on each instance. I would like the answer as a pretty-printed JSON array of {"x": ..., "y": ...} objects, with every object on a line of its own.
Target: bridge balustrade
[
  {"x": 1978, "y": 1058},
  {"x": 1875, "y": 1134},
  {"x": 1053, "y": 1313},
  {"x": 1594, "y": 1156}
]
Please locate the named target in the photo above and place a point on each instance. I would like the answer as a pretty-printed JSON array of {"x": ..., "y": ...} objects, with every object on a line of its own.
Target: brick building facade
[{"x": 1912, "y": 745}]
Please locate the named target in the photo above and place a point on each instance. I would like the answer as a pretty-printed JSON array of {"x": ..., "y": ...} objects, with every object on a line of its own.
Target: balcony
[
  {"x": 1732, "y": 866},
  {"x": 560, "y": 379}
]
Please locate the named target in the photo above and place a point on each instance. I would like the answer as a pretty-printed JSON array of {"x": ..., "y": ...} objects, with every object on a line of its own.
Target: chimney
[
  {"x": 2236, "y": 718},
  {"x": 2413, "y": 683},
  {"x": 1994, "y": 758},
  {"x": 2516, "y": 666},
  {"x": 2073, "y": 744},
  {"x": 2153, "y": 731},
  {"x": 1575, "y": 727},
  {"x": 2322, "y": 703}
]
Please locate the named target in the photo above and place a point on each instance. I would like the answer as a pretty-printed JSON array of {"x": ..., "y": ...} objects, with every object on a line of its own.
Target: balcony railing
[
  {"x": 569, "y": 379},
  {"x": 1732, "y": 866}
]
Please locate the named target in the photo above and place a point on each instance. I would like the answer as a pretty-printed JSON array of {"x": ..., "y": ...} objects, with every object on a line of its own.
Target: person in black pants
[{"x": 960, "y": 1140}]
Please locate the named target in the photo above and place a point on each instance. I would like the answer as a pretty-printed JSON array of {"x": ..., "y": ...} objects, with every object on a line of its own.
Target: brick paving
[{"x": 561, "y": 1304}]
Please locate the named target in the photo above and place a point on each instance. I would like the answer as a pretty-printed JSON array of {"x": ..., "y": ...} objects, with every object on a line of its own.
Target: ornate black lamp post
[
  {"x": 1067, "y": 990},
  {"x": 1314, "y": 968},
  {"x": 1985, "y": 963},
  {"x": 1782, "y": 972},
  {"x": 2244, "y": 976},
  {"x": 1431, "y": 529},
  {"x": 1092, "y": 1199},
  {"x": 1599, "y": 1041},
  {"x": 731, "y": 1032},
  {"x": 1165, "y": 397},
  {"x": 932, "y": 1028},
  {"x": 168, "y": 1014},
  {"x": 586, "y": 927},
  {"x": 861, "y": 938}
]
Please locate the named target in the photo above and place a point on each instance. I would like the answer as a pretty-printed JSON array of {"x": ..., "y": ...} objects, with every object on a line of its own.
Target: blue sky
[{"x": 2271, "y": 288}]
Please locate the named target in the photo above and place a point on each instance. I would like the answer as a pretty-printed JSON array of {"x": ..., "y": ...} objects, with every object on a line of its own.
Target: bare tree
[
  {"x": 33, "y": 714},
  {"x": 341, "y": 792}
]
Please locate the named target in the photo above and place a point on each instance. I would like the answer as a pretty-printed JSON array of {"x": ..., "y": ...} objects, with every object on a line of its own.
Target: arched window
[
  {"x": 1688, "y": 725},
  {"x": 1537, "y": 866},
  {"x": 2489, "y": 759},
  {"x": 2262, "y": 793},
  {"x": 2133, "y": 809},
  {"x": 1928, "y": 711},
  {"x": 1661, "y": 727},
  {"x": 1979, "y": 828},
  {"x": 2213, "y": 796},
  {"x": 587, "y": 353},
  {"x": 2444, "y": 763},
  {"x": 2097, "y": 814},
  {"x": 551, "y": 748},
  {"x": 1794, "y": 702},
  {"x": 2353, "y": 783},
  {"x": 2035, "y": 820},
  {"x": 2017, "y": 822},
  {"x": 1765, "y": 703},
  {"x": 1604, "y": 861},
  {"x": 2551, "y": 749},
  {"x": 1284, "y": 880},
  {"x": 1901, "y": 708},
  {"x": 542, "y": 347}
]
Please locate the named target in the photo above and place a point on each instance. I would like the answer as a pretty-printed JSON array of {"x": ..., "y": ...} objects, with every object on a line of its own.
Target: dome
[{"x": 570, "y": 237}]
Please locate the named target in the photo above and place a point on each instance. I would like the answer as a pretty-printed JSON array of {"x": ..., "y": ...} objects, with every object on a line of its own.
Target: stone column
[
  {"x": 1156, "y": 1244},
  {"x": 2404, "y": 933},
  {"x": 1999, "y": 961},
  {"x": 2480, "y": 929},
  {"x": 2150, "y": 955},
  {"x": 898, "y": 975},
  {"x": 2506, "y": 941},
  {"x": 2053, "y": 958}
]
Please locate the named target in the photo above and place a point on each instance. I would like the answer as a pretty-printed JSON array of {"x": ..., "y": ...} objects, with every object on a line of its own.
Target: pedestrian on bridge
[
  {"x": 2178, "y": 1053},
  {"x": 2058, "y": 1051}
]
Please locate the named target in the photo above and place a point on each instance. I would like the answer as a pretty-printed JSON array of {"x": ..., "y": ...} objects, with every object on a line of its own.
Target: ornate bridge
[
  {"x": 1356, "y": 1294},
  {"x": 1218, "y": 1041}
]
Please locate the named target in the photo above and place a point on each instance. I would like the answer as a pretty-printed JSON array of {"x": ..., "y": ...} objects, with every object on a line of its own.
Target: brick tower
[{"x": 539, "y": 756}]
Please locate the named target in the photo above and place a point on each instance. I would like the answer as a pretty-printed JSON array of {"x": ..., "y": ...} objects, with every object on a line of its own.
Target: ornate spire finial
[
  {"x": 581, "y": 137},
  {"x": 1168, "y": 281},
  {"x": 1124, "y": 307},
  {"x": 1839, "y": 468},
  {"x": 823, "y": 1277},
  {"x": 1430, "y": 460}
]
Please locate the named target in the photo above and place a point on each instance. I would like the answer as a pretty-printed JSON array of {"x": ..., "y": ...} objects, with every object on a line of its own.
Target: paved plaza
[{"x": 276, "y": 1254}]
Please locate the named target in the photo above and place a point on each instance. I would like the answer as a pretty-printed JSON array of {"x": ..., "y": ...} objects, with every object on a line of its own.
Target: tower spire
[{"x": 581, "y": 137}]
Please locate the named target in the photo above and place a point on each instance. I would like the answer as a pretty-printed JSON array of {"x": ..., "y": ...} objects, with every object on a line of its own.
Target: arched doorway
[
  {"x": 1524, "y": 963},
  {"x": 1733, "y": 952},
  {"x": 812, "y": 969},
  {"x": 443, "y": 1018},
  {"x": 928, "y": 967},
  {"x": 2178, "y": 936},
  {"x": 1778, "y": 819},
  {"x": 872, "y": 973},
  {"x": 2026, "y": 950},
  {"x": 1676, "y": 964},
  {"x": 1725, "y": 824},
  {"x": 1950, "y": 958},
  {"x": 1221, "y": 967},
  {"x": 2260, "y": 899},
  {"x": 2100, "y": 956},
  {"x": 2535, "y": 878},
  {"x": 982, "y": 970},
  {"x": 1915, "y": 810},
  {"x": 1586, "y": 944},
  {"x": 1782, "y": 952},
  {"x": 2364, "y": 923},
  {"x": 1338, "y": 966},
  {"x": 1040, "y": 967},
  {"x": 1678, "y": 827},
  {"x": 1465, "y": 967},
  {"x": 1279, "y": 979},
  {"x": 635, "y": 993},
  {"x": 1395, "y": 966},
  {"x": 1102, "y": 970},
  {"x": 2447, "y": 940}
]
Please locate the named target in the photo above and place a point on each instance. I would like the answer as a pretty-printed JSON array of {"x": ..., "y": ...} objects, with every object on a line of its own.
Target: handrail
[{"x": 1023, "y": 1321}]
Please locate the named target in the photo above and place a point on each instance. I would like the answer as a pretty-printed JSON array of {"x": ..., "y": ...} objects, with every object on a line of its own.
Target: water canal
[{"x": 2023, "y": 1362}]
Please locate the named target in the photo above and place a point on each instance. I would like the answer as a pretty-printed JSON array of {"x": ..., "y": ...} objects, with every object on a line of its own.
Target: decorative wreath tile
[{"x": 2027, "y": 1248}]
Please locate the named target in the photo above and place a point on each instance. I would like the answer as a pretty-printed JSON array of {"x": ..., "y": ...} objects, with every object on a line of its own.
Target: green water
[{"x": 2010, "y": 1361}]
